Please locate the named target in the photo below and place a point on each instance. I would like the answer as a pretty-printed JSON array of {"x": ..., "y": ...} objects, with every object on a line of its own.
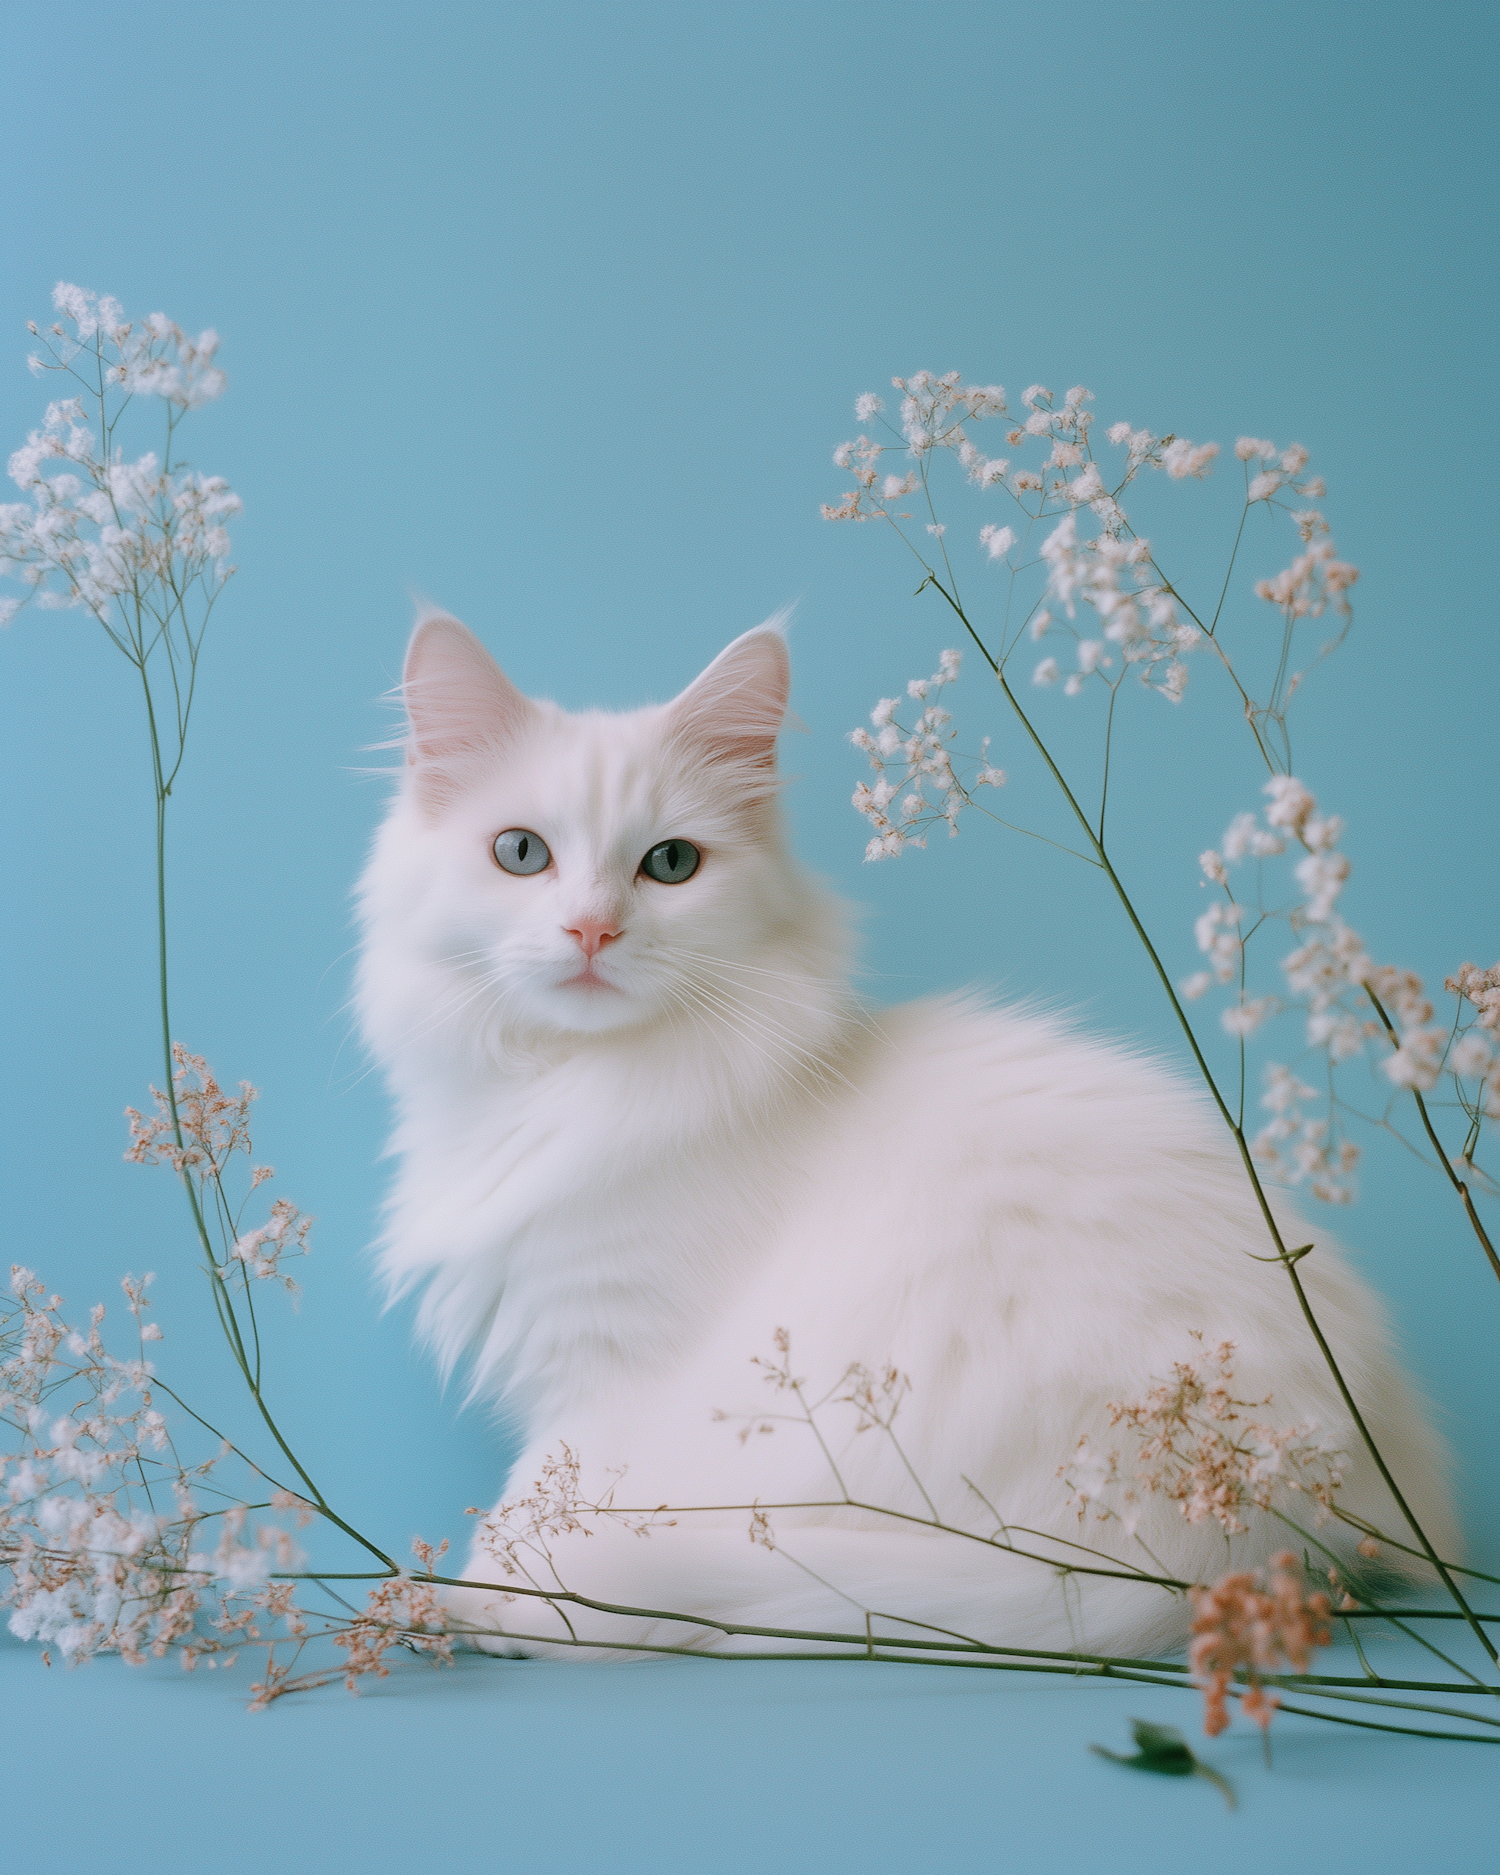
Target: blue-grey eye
[
  {"x": 671, "y": 862},
  {"x": 517, "y": 850}
]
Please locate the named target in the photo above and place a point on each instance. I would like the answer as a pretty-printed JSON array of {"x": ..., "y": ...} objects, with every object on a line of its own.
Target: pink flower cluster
[
  {"x": 1197, "y": 1445},
  {"x": 197, "y": 1130},
  {"x": 1249, "y": 1622}
]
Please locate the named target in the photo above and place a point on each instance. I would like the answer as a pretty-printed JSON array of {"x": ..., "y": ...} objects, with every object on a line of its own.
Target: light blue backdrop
[{"x": 553, "y": 314}]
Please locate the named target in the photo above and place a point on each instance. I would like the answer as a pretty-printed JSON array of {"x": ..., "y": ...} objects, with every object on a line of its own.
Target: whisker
[
  {"x": 771, "y": 1027},
  {"x": 678, "y": 999},
  {"x": 850, "y": 1009},
  {"x": 790, "y": 1053},
  {"x": 850, "y": 1005},
  {"x": 763, "y": 1020},
  {"x": 792, "y": 976},
  {"x": 806, "y": 1087},
  {"x": 790, "y": 1002}
]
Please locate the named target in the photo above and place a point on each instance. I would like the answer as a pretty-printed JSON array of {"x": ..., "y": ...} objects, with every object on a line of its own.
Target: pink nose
[{"x": 592, "y": 935}]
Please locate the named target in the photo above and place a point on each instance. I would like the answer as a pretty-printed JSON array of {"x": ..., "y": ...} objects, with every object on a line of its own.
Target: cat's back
[
  {"x": 993, "y": 1166},
  {"x": 986, "y": 1090}
]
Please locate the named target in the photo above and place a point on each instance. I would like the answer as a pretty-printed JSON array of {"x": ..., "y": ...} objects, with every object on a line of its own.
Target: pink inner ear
[
  {"x": 460, "y": 704},
  {"x": 735, "y": 709}
]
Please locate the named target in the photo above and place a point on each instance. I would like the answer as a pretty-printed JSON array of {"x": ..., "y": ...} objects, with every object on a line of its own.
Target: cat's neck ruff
[{"x": 576, "y": 1208}]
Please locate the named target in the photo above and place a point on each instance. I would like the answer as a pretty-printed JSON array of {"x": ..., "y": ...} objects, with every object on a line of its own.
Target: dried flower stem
[{"x": 956, "y": 1652}]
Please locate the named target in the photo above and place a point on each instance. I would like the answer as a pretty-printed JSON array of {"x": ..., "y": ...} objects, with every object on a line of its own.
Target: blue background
[{"x": 553, "y": 315}]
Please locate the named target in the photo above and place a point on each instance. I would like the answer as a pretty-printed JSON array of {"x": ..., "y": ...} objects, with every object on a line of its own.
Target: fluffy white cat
[{"x": 644, "y": 1122}]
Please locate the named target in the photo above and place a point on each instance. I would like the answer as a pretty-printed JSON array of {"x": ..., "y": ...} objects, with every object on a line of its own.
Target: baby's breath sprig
[{"x": 1153, "y": 628}]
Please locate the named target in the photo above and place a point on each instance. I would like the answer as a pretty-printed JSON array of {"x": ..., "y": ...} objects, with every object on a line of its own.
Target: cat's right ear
[{"x": 460, "y": 706}]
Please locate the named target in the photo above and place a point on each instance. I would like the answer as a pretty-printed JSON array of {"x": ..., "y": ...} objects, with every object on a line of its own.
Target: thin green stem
[
  {"x": 223, "y": 1301},
  {"x": 1239, "y": 535},
  {"x": 1447, "y": 1659},
  {"x": 1109, "y": 731},
  {"x": 1370, "y": 1672},
  {"x": 1369, "y": 1529}
]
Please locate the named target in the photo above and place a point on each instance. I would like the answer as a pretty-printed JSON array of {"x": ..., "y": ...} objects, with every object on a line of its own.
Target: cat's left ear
[
  {"x": 732, "y": 713},
  {"x": 461, "y": 707}
]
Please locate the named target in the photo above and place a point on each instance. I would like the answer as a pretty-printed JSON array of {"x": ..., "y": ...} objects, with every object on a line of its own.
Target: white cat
[{"x": 645, "y": 1122}]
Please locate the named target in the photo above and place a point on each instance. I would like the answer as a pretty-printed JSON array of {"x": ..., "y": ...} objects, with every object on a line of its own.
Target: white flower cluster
[
  {"x": 153, "y": 355},
  {"x": 1335, "y": 982},
  {"x": 1317, "y": 579},
  {"x": 1113, "y": 573},
  {"x": 1295, "y": 1147},
  {"x": 933, "y": 413},
  {"x": 909, "y": 762},
  {"x": 113, "y": 1542},
  {"x": 96, "y": 1564},
  {"x": 1348, "y": 1001},
  {"x": 1321, "y": 873},
  {"x": 1482, "y": 989},
  {"x": 1143, "y": 626},
  {"x": 97, "y": 529},
  {"x": 1117, "y": 578}
]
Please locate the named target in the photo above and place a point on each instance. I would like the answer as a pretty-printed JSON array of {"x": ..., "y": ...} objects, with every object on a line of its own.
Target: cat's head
[{"x": 589, "y": 872}]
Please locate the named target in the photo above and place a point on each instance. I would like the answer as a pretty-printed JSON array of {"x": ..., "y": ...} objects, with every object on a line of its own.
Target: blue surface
[
  {"x": 554, "y": 315},
  {"x": 695, "y": 1766}
]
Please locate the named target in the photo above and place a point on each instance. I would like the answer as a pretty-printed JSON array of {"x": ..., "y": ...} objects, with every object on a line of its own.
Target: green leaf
[{"x": 1163, "y": 1749}]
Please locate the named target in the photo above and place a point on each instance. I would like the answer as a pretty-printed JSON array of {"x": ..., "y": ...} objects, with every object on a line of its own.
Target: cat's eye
[
  {"x": 521, "y": 851},
  {"x": 671, "y": 862}
]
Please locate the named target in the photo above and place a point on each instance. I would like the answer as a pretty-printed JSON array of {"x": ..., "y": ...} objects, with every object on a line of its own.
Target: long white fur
[{"x": 609, "y": 1200}]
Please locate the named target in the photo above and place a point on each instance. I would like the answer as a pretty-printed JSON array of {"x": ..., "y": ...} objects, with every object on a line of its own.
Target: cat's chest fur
[{"x": 580, "y": 1221}]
